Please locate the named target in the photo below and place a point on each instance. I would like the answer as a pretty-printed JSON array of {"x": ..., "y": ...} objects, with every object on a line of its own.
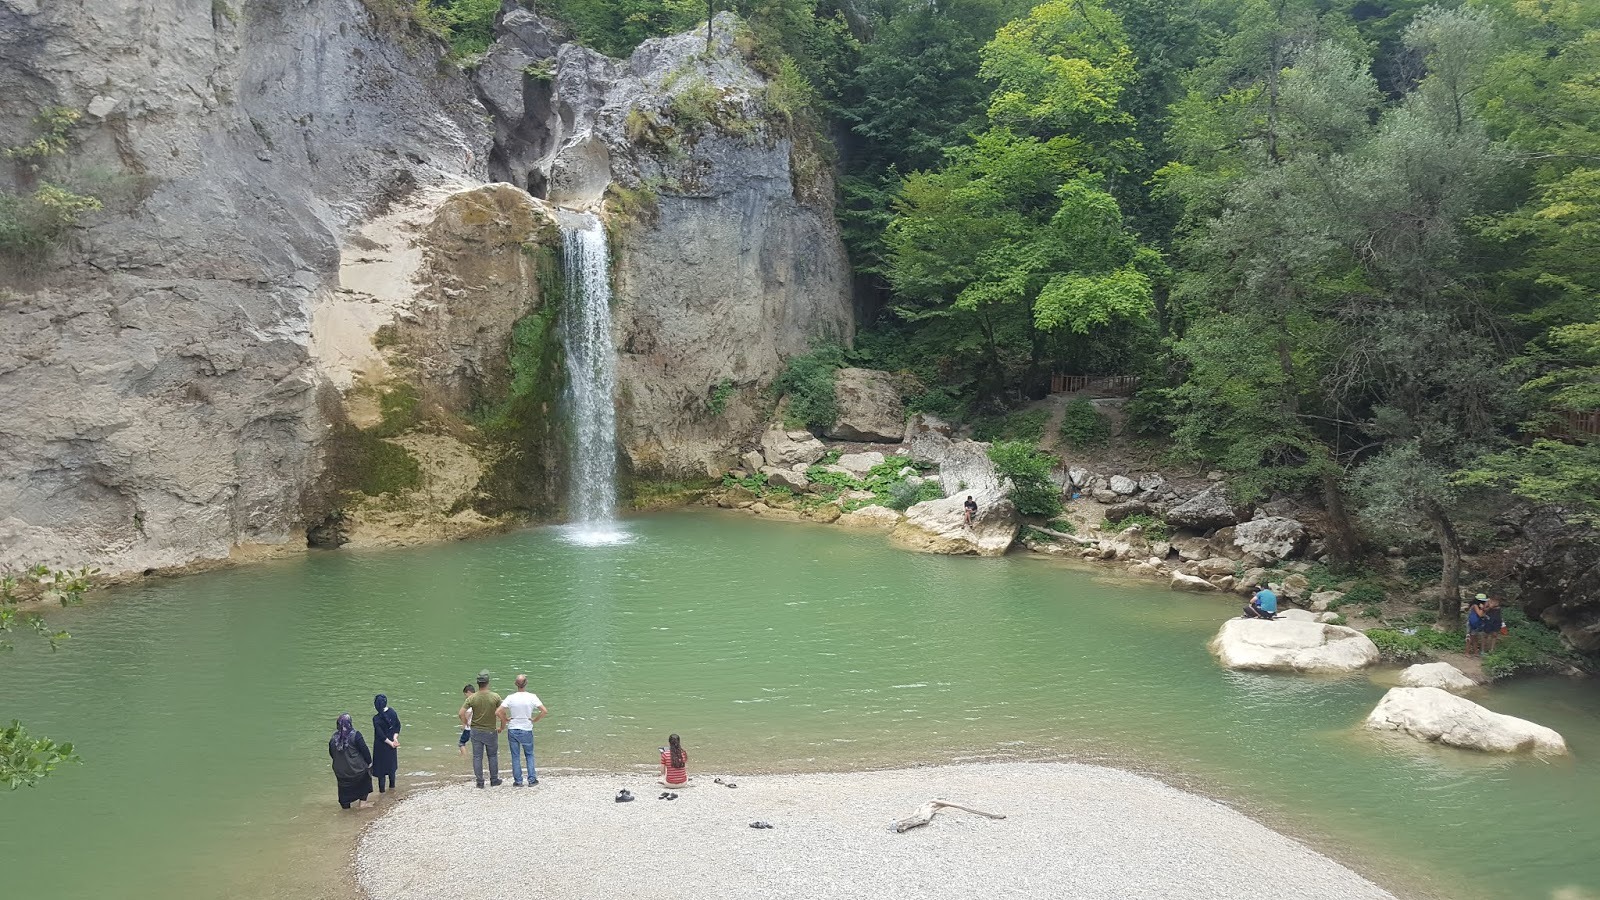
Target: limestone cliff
[{"x": 299, "y": 280}]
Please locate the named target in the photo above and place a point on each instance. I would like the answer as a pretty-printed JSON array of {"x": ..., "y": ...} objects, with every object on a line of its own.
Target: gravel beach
[{"x": 1071, "y": 831}]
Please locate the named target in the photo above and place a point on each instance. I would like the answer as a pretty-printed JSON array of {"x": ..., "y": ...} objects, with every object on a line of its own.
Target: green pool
[{"x": 202, "y": 706}]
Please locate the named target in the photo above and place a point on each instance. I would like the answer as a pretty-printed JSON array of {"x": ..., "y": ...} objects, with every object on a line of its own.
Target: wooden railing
[
  {"x": 1575, "y": 426},
  {"x": 1114, "y": 384}
]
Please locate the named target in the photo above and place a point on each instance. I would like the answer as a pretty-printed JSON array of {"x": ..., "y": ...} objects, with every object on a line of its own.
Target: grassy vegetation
[
  {"x": 1014, "y": 426},
  {"x": 1083, "y": 426},
  {"x": 1028, "y": 468},
  {"x": 807, "y": 382},
  {"x": 1153, "y": 528},
  {"x": 720, "y": 394},
  {"x": 1529, "y": 647}
]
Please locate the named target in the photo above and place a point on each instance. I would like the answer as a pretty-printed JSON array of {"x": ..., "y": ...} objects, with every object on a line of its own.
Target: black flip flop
[{"x": 760, "y": 824}]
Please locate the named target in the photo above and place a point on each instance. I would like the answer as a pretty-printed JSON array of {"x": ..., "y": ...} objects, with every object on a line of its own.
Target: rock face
[
  {"x": 964, "y": 466},
  {"x": 936, "y": 526},
  {"x": 1440, "y": 675},
  {"x": 859, "y": 464},
  {"x": 1182, "y": 582},
  {"x": 1291, "y": 646},
  {"x": 1208, "y": 509},
  {"x": 162, "y": 402},
  {"x": 727, "y": 259},
  {"x": 1270, "y": 539},
  {"x": 1438, "y": 716},
  {"x": 1560, "y": 574},
  {"x": 869, "y": 407}
]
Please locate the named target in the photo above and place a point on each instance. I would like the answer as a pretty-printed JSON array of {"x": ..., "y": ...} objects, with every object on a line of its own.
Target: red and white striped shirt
[{"x": 678, "y": 774}]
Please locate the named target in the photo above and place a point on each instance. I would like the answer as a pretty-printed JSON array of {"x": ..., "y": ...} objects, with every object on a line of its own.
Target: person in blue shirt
[{"x": 1264, "y": 605}]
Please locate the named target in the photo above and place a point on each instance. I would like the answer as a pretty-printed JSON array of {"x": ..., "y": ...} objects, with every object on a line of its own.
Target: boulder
[
  {"x": 936, "y": 526},
  {"x": 783, "y": 449},
  {"x": 964, "y": 466},
  {"x": 1182, "y": 582},
  {"x": 1251, "y": 579},
  {"x": 1223, "y": 582},
  {"x": 869, "y": 407},
  {"x": 825, "y": 513},
  {"x": 753, "y": 461},
  {"x": 1152, "y": 483},
  {"x": 1294, "y": 587},
  {"x": 1440, "y": 675},
  {"x": 1290, "y": 646},
  {"x": 774, "y": 512},
  {"x": 1438, "y": 716},
  {"x": 1270, "y": 539},
  {"x": 1079, "y": 476},
  {"x": 1205, "y": 510},
  {"x": 1129, "y": 543},
  {"x": 1322, "y": 601},
  {"x": 880, "y": 517},
  {"x": 858, "y": 464},
  {"x": 1105, "y": 495},
  {"x": 1119, "y": 511},
  {"x": 1217, "y": 565},
  {"x": 1123, "y": 485},
  {"x": 1189, "y": 547},
  {"x": 786, "y": 478},
  {"x": 1306, "y": 615},
  {"x": 736, "y": 497}
]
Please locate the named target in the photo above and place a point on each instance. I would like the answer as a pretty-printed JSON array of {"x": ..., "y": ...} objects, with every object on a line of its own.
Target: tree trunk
[
  {"x": 1341, "y": 537},
  {"x": 1450, "y": 575}
]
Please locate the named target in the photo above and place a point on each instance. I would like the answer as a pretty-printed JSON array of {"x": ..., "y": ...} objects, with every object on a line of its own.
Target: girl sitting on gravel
[{"x": 674, "y": 763}]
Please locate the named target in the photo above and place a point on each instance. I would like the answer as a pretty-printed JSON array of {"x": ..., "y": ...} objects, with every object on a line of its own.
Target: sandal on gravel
[
  {"x": 672, "y": 796},
  {"x": 716, "y": 781},
  {"x": 664, "y": 796},
  {"x": 760, "y": 824}
]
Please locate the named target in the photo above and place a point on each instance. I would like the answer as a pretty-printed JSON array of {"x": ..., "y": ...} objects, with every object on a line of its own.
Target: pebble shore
[{"x": 1071, "y": 831}]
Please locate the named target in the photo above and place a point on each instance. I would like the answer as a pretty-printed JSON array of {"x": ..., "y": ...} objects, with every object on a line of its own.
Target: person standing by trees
[
  {"x": 386, "y": 732},
  {"x": 481, "y": 712},
  {"x": 352, "y": 763}
]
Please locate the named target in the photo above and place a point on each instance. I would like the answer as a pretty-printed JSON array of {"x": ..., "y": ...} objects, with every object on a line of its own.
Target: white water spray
[{"x": 591, "y": 378}]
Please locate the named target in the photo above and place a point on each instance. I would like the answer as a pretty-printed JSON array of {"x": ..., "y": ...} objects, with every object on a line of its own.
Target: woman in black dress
[
  {"x": 352, "y": 763},
  {"x": 386, "y": 742}
]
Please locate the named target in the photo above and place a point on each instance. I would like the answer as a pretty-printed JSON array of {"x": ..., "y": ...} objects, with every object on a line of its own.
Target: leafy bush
[
  {"x": 1084, "y": 426},
  {"x": 1528, "y": 647},
  {"x": 808, "y": 383},
  {"x": 1152, "y": 527},
  {"x": 1029, "y": 468},
  {"x": 720, "y": 392},
  {"x": 1397, "y": 646},
  {"x": 1366, "y": 594}
]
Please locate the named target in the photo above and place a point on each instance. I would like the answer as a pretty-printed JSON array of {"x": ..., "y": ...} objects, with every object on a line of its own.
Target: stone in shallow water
[
  {"x": 1290, "y": 646},
  {"x": 1438, "y": 675},
  {"x": 880, "y": 517},
  {"x": 1438, "y": 716}
]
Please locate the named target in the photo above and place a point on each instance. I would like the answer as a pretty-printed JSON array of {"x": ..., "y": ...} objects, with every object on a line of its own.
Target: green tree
[
  {"x": 24, "y": 758},
  {"x": 1027, "y": 468}
]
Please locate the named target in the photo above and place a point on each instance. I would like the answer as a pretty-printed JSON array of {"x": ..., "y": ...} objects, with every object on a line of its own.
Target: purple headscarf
[{"x": 344, "y": 732}]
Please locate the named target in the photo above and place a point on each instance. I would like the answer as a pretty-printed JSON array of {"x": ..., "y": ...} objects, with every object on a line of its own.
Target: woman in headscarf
[
  {"x": 386, "y": 733},
  {"x": 352, "y": 763}
]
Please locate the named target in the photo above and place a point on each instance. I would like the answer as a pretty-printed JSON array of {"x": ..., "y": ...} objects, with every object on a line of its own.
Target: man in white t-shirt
[{"x": 517, "y": 713}]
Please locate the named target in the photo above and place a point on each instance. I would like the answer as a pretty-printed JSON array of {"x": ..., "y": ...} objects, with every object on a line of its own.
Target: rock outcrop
[
  {"x": 1291, "y": 646},
  {"x": 869, "y": 407},
  {"x": 727, "y": 256},
  {"x": 1438, "y": 716},
  {"x": 880, "y": 517},
  {"x": 1440, "y": 675},
  {"x": 936, "y": 526},
  {"x": 1208, "y": 509},
  {"x": 1270, "y": 539},
  {"x": 786, "y": 449},
  {"x": 1560, "y": 573},
  {"x": 162, "y": 402}
]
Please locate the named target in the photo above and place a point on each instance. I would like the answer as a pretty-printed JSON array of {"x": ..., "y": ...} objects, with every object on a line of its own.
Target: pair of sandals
[
  {"x": 723, "y": 783},
  {"x": 667, "y": 795}
]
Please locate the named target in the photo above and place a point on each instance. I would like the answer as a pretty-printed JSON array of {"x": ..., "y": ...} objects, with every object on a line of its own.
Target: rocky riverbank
[{"x": 1069, "y": 830}]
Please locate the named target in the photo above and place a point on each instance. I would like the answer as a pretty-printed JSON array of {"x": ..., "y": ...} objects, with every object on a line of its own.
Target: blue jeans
[{"x": 521, "y": 744}]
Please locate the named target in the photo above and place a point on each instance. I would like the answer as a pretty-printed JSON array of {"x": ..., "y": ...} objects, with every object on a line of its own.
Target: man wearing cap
[
  {"x": 480, "y": 712},
  {"x": 1477, "y": 616}
]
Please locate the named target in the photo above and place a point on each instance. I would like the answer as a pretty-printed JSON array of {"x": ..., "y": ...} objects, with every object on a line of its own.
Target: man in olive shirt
[{"x": 479, "y": 712}]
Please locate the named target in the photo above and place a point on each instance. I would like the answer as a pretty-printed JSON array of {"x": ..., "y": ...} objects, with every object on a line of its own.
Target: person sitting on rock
[
  {"x": 1264, "y": 605},
  {"x": 971, "y": 511}
]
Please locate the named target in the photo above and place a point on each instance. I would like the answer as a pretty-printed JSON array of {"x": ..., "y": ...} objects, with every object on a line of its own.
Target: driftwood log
[{"x": 924, "y": 815}]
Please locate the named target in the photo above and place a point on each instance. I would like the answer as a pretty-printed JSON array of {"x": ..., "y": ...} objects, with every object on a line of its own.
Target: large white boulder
[
  {"x": 1436, "y": 715},
  {"x": 1292, "y": 646},
  {"x": 1306, "y": 615},
  {"x": 936, "y": 526},
  {"x": 1436, "y": 675},
  {"x": 1123, "y": 485},
  {"x": 964, "y": 466},
  {"x": 1270, "y": 539},
  {"x": 859, "y": 464},
  {"x": 785, "y": 478},
  {"x": 869, "y": 407},
  {"x": 783, "y": 449},
  {"x": 880, "y": 517},
  {"x": 1182, "y": 582}
]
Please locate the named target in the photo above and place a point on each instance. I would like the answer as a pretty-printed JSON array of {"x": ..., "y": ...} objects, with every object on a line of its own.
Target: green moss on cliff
[{"x": 526, "y": 422}]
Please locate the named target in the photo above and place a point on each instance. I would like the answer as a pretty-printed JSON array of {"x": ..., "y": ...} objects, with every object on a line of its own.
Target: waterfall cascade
[{"x": 591, "y": 377}]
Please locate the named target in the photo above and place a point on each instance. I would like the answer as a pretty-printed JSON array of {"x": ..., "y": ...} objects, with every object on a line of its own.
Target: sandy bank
[{"x": 1071, "y": 831}]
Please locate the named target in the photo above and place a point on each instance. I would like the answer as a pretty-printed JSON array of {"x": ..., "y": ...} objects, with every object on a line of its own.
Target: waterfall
[{"x": 591, "y": 377}]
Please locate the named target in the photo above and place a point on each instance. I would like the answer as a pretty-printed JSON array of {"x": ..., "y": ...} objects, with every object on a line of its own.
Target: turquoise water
[{"x": 202, "y": 706}]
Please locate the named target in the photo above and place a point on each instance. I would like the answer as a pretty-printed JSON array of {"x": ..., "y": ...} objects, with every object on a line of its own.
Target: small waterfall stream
[{"x": 592, "y": 379}]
